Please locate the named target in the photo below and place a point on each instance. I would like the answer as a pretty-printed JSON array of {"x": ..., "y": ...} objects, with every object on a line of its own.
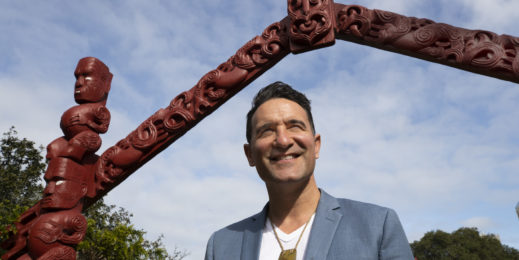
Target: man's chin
[{"x": 290, "y": 179}]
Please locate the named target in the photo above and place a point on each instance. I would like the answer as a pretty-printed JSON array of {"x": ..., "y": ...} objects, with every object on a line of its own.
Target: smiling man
[{"x": 301, "y": 221}]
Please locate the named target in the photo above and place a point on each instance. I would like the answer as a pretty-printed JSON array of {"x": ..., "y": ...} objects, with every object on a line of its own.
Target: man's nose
[{"x": 283, "y": 138}]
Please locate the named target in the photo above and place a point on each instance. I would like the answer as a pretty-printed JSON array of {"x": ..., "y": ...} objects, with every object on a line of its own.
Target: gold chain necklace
[{"x": 289, "y": 254}]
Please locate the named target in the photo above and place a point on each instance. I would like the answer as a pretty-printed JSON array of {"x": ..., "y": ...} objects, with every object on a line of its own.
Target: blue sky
[{"x": 438, "y": 145}]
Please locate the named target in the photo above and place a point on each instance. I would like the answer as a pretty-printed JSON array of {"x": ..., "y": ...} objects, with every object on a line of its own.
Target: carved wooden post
[
  {"x": 76, "y": 177},
  {"x": 54, "y": 226}
]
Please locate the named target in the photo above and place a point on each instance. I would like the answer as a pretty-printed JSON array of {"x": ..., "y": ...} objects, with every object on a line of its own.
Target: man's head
[
  {"x": 93, "y": 80},
  {"x": 278, "y": 89},
  {"x": 282, "y": 143}
]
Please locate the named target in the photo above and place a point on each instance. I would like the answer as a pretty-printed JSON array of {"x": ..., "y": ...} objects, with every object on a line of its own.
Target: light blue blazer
[{"x": 342, "y": 229}]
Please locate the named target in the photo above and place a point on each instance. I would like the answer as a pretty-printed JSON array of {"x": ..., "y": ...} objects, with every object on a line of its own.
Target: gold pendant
[{"x": 289, "y": 254}]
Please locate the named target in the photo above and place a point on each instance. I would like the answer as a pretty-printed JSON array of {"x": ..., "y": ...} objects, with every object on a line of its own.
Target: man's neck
[{"x": 291, "y": 205}]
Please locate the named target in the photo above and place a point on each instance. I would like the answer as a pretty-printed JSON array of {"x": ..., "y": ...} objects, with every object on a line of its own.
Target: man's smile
[{"x": 283, "y": 157}]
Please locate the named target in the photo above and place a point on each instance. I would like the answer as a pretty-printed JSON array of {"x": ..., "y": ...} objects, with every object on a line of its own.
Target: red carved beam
[
  {"x": 190, "y": 107},
  {"x": 477, "y": 51}
]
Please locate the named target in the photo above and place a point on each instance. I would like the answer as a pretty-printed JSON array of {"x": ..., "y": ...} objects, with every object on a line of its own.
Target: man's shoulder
[
  {"x": 357, "y": 212},
  {"x": 352, "y": 206},
  {"x": 349, "y": 204}
]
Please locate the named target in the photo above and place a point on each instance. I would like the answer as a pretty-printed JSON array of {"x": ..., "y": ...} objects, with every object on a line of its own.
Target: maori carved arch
[{"x": 310, "y": 24}]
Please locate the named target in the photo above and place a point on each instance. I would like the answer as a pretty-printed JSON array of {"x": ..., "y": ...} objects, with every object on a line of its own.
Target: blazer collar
[
  {"x": 252, "y": 237},
  {"x": 326, "y": 221},
  {"x": 325, "y": 224}
]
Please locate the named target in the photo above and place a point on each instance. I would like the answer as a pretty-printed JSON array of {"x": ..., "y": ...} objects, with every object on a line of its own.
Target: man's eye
[
  {"x": 266, "y": 132},
  {"x": 59, "y": 182},
  {"x": 296, "y": 127},
  {"x": 88, "y": 78}
]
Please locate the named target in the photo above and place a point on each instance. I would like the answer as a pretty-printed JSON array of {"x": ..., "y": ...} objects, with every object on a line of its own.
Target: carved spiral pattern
[
  {"x": 454, "y": 55},
  {"x": 106, "y": 171},
  {"x": 487, "y": 55},
  {"x": 385, "y": 16},
  {"x": 351, "y": 20},
  {"x": 78, "y": 223},
  {"x": 260, "y": 49},
  {"x": 210, "y": 77},
  {"x": 425, "y": 36},
  {"x": 102, "y": 115},
  {"x": 88, "y": 140},
  {"x": 403, "y": 26},
  {"x": 144, "y": 136},
  {"x": 272, "y": 45},
  {"x": 48, "y": 232},
  {"x": 177, "y": 118}
]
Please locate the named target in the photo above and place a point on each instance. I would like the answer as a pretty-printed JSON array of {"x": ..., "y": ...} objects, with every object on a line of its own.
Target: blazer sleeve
[
  {"x": 394, "y": 242},
  {"x": 209, "y": 250}
]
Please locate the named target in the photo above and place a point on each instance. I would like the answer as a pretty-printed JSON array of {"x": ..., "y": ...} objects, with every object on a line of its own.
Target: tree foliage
[
  {"x": 110, "y": 233},
  {"x": 21, "y": 168},
  {"x": 463, "y": 244}
]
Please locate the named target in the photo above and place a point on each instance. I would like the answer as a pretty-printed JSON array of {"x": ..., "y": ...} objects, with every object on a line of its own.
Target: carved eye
[
  {"x": 59, "y": 182},
  {"x": 88, "y": 78}
]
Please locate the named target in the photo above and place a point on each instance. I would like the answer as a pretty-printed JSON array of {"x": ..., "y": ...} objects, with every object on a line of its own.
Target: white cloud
[
  {"x": 437, "y": 144},
  {"x": 482, "y": 223}
]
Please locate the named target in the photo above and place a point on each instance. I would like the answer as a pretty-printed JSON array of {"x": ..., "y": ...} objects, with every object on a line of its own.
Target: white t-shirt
[{"x": 270, "y": 249}]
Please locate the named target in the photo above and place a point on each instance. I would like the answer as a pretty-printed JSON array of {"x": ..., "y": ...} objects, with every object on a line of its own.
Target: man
[{"x": 300, "y": 221}]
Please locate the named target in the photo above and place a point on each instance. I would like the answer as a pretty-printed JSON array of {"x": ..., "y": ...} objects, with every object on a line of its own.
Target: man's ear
[
  {"x": 317, "y": 148},
  {"x": 246, "y": 149}
]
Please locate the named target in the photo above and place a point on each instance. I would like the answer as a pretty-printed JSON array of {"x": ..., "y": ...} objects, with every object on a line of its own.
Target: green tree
[
  {"x": 110, "y": 234},
  {"x": 21, "y": 168},
  {"x": 463, "y": 244}
]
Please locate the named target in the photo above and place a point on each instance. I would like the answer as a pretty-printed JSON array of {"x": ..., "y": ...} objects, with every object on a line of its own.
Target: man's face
[
  {"x": 283, "y": 147},
  {"x": 90, "y": 86}
]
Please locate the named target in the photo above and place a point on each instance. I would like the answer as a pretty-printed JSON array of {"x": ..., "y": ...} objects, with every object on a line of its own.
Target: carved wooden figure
[
  {"x": 76, "y": 177},
  {"x": 54, "y": 226}
]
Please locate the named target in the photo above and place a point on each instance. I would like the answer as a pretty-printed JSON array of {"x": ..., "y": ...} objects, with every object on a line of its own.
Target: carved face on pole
[
  {"x": 93, "y": 81},
  {"x": 66, "y": 184}
]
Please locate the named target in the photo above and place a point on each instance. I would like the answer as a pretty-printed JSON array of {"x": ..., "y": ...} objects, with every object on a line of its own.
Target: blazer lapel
[
  {"x": 325, "y": 224},
  {"x": 252, "y": 236}
]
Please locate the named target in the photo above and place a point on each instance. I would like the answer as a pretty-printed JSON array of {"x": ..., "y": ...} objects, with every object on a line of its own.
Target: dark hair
[{"x": 278, "y": 89}]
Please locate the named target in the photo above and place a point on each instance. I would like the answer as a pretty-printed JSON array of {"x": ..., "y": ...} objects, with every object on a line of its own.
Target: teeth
[
  {"x": 286, "y": 157},
  {"x": 78, "y": 91}
]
